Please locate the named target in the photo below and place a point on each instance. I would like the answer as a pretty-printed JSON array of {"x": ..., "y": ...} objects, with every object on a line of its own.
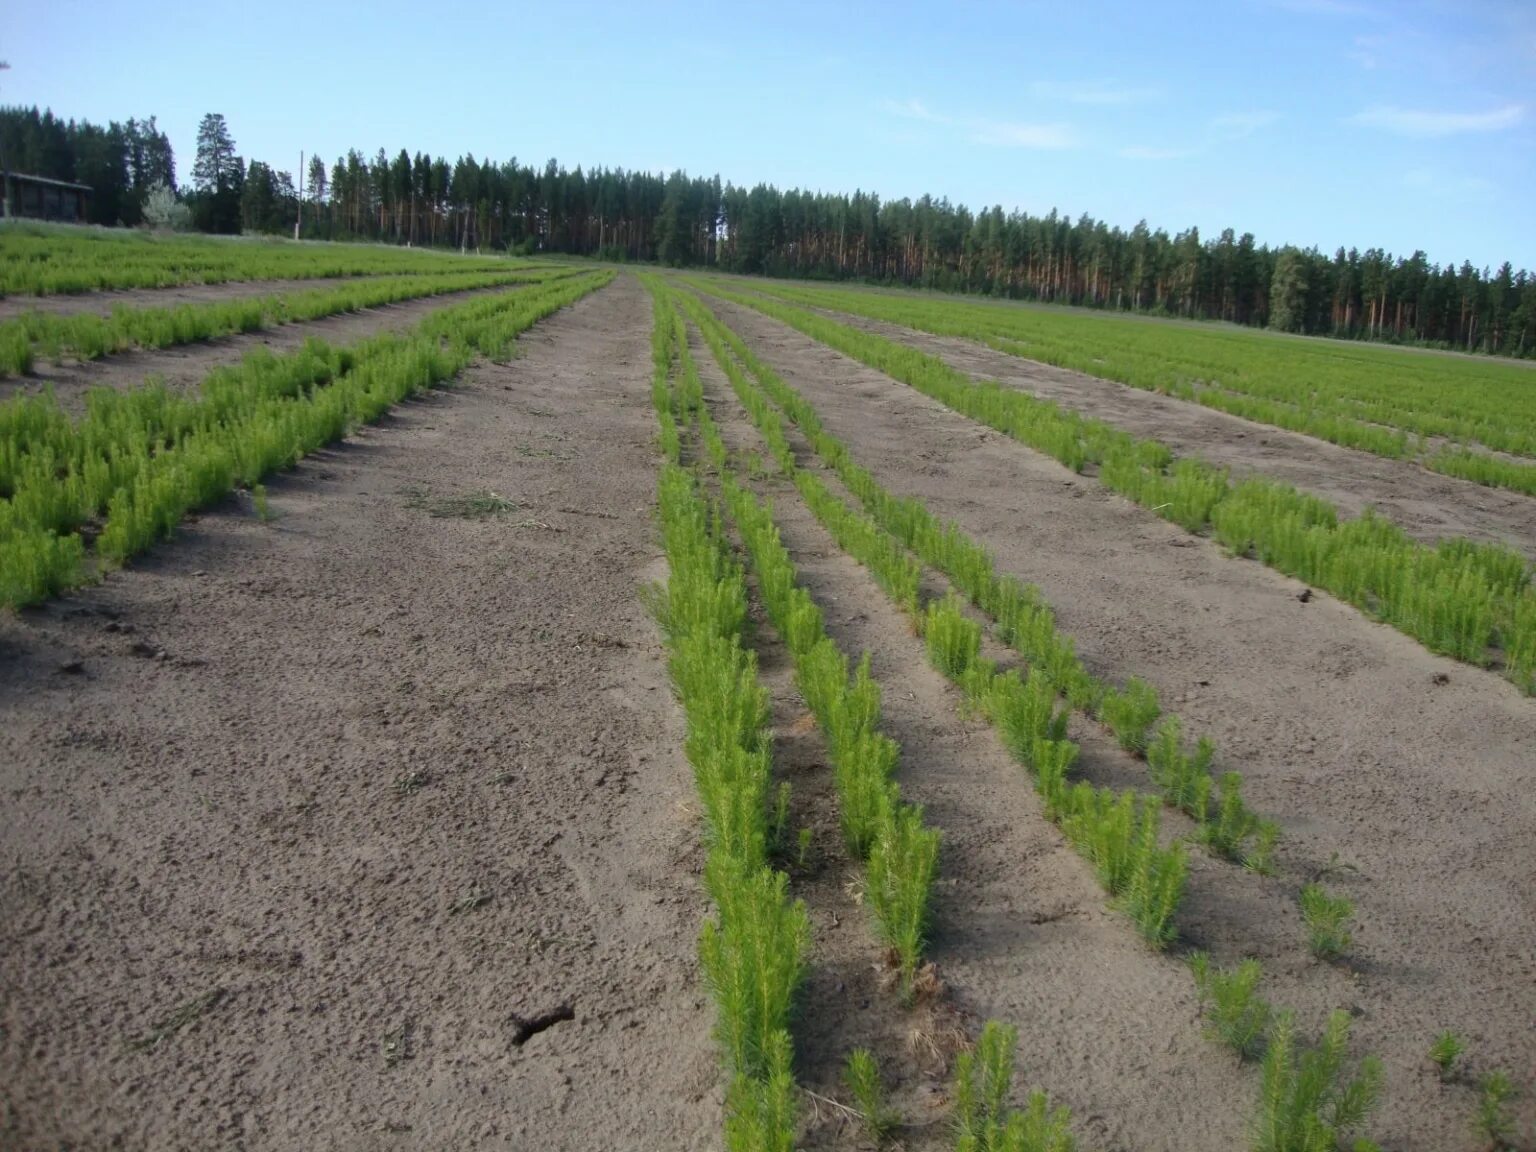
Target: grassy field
[
  {"x": 45, "y": 260},
  {"x": 1449, "y": 412},
  {"x": 671, "y": 712}
]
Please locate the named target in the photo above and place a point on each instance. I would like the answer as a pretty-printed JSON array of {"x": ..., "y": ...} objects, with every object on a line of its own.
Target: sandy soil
[
  {"x": 185, "y": 365},
  {"x": 1425, "y": 504},
  {"x": 379, "y": 798},
  {"x": 1020, "y": 933},
  {"x": 1412, "y": 769},
  {"x": 370, "y": 829}
]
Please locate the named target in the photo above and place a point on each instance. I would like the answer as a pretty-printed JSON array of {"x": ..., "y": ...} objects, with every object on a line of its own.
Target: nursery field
[{"x": 492, "y": 705}]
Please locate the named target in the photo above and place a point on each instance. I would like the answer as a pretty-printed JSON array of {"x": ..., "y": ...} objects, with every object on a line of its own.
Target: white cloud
[
  {"x": 914, "y": 110},
  {"x": 1101, "y": 92},
  {"x": 1239, "y": 124},
  {"x": 1012, "y": 135},
  {"x": 1143, "y": 152},
  {"x": 1421, "y": 123}
]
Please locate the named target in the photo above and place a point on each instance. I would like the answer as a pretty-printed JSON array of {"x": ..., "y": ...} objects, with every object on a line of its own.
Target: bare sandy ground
[
  {"x": 1400, "y": 778},
  {"x": 185, "y": 365},
  {"x": 1425, "y": 504},
  {"x": 377, "y": 822},
  {"x": 370, "y": 829},
  {"x": 1020, "y": 932}
]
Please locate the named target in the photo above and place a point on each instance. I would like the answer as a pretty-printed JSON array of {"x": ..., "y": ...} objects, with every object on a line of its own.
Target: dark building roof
[{"x": 50, "y": 183}]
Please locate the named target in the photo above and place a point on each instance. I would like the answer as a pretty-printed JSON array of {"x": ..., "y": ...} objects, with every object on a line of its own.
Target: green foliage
[
  {"x": 901, "y": 856},
  {"x": 862, "y": 1076},
  {"x": 1227, "y": 831},
  {"x": 761, "y": 1111},
  {"x": 1460, "y": 599},
  {"x": 1493, "y": 1121},
  {"x": 138, "y": 461},
  {"x": 1445, "y": 1051},
  {"x": 1120, "y": 837},
  {"x": 87, "y": 336},
  {"x": 954, "y": 640},
  {"x": 42, "y": 260},
  {"x": 1307, "y": 1102},
  {"x": 753, "y": 952},
  {"x": 983, "y": 1120},
  {"x": 902, "y": 865},
  {"x": 1260, "y": 855},
  {"x": 259, "y": 502},
  {"x": 1147, "y": 880},
  {"x": 1327, "y": 919},
  {"x": 752, "y": 959},
  {"x": 1235, "y": 1014},
  {"x": 1131, "y": 713},
  {"x": 1183, "y": 779}
]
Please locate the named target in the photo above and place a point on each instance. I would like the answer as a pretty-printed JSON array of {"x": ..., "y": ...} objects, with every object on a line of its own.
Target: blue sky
[{"x": 1356, "y": 122}]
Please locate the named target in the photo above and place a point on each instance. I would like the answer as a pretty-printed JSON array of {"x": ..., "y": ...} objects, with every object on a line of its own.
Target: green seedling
[
  {"x": 1308, "y": 1101},
  {"x": 983, "y": 1121},
  {"x": 1493, "y": 1121},
  {"x": 862, "y": 1076},
  {"x": 1235, "y": 1014},
  {"x": 1327, "y": 920},
  {"x": 1444, "y": 1053}
]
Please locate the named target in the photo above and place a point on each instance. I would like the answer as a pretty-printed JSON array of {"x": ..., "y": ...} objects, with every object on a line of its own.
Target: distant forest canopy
[{"x": 696, "y": 221}]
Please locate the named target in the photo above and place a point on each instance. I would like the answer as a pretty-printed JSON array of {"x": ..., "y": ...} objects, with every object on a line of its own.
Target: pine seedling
[
  {"x": 259, "y": 499},
  {"x": 1305, "y": 1102},
  {"x": 900, "y": 873},
  {"x": 983, "y": 1121},
  {"x": 779, "y": 828},
  {"x": 1235, "y": 1014},
  {"x": 760, "y": 1111},
  {"x": 1233, "y": 824},
  {"x": 1493, "y": 1121},
  {"x": 753, "y": 961},
  {"x": 1260, "y": 856},
  {"x": 1444, "y": 1053},
  {"x": 862, "y": 1076},
  {"x": 1327, "y": 920},
  {"x": 954, "y": 640},
  {"x": 1156, "y": 886},
  {"x": 1130, "y": 714},
  {"x": 1176, "y": 772}
]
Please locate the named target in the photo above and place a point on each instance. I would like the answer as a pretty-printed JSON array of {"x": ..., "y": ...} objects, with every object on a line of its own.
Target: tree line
[{"x": 676, "y": 219}]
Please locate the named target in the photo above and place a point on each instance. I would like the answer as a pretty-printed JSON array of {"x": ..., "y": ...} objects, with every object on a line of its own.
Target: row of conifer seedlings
[
  {"x": 1458, "y": 598},
  {"x": 1306, "y": 1094},
  {"x": 882, "y": 831},
  {"x": 1118, "y": 833},
  {"x": 753, "y": 951},
  {"x": 887, "y": 834},
  {"x": 139, "y": 460}
]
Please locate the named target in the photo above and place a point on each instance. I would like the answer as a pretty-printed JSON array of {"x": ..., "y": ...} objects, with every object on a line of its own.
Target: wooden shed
[{"x": 40, "y": 198}]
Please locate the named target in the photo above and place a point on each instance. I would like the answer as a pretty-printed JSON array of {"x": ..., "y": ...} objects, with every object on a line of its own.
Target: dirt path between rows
[
  {"x": 185, "y": 365},
  {"x": 1425, "y": 504},
  {"x": 1020, "y": 929},
  {"x": 377, "y": 822},
  {"x": 1413, "y": 769}
]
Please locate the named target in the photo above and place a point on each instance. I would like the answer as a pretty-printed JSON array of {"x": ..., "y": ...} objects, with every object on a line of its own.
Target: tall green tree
[{"x": 218, "y": 176}]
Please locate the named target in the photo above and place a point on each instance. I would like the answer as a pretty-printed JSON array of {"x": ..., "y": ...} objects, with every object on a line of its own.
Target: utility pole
[{"x": 298, "y": 220}]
